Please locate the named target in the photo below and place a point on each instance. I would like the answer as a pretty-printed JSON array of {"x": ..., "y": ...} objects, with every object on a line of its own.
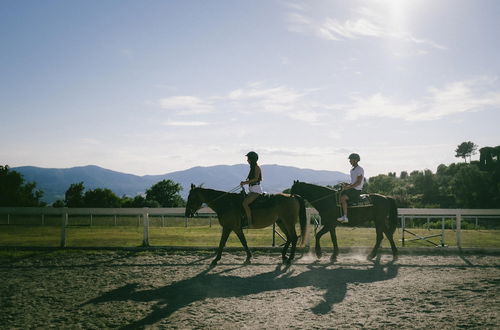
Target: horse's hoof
[
  {"x": 333, "y": 258},
  {"x": 247, "y": 262},
  {"x": 395, "y": 257},
  {"x": 370, "y": 257},
  {"x": 213, "y": 264}
]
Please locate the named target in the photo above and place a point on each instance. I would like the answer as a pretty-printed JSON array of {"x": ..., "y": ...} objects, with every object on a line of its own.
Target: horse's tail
[
  {"x": 303, "y": 220},
  {"x": 393, "y": 215}
]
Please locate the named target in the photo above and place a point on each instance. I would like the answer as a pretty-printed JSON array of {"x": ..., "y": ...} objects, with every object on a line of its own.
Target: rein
[
  {"x": 224, "y": 194},
  {"x": 321, "y": 198},
  {"x": 326, "y": 196}
]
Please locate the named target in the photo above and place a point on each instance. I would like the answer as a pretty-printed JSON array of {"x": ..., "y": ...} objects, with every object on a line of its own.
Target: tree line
[
  {"x": 15, "y": 192},
  {"x": 473, "y": 184}
]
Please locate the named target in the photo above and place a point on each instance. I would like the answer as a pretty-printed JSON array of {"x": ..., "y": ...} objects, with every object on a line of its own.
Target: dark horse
[
  {"x": 282, "y": 209},
  {"x": 382, "y": 211}
]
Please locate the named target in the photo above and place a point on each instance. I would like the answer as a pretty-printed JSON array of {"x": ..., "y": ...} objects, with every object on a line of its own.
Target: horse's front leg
[
  {"x": 223, "y": 239},
  {"x": 318, "y": 238},
  {"x": 333, "y": 235},
  {"x": 243, "y": 240}
]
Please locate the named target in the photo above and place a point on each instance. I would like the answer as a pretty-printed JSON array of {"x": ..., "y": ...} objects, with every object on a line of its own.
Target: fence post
[
  {"x": 442, "y": 231},
  {"x": 458, "y": 232},
  {"x": 145, "y": 215},
  {"x": 64, "y": 223},
  {"x": 403, "y": 230},
  {"x": 274, "y": 235}
]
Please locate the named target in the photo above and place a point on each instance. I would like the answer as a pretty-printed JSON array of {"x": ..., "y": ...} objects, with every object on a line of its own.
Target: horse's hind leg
[
  {"x": 243, "y": 241},
  {"x": 287, "y": 243},
  {"x": 393, "y": 245},
  {"x": 293, "y": 238},
  {"x": 380, "y": 236},
  {"x": 333, "y": 235},
  {"x": 223, "y": 239}
]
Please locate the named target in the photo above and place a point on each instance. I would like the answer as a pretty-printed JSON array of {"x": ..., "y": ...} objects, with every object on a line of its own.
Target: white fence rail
[
  {"x": 404, "y": 214},
  {"x": 457, "y": 214}
]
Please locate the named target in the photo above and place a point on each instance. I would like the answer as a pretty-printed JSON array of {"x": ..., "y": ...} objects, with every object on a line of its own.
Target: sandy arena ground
[{"x": 177, "y": 290}]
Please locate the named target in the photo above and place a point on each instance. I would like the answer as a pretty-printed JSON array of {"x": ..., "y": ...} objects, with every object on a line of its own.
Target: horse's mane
[
  {"x": 323, "y": 188},
  {"x": 214, "y": 191}
]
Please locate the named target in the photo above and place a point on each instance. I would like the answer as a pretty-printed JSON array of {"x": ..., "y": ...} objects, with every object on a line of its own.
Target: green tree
[
  {"x": 382, "y": 184},
  {"x": 101, "y": 198},
  {"x": 166, "y": 193},
  {"x": 473, "y": 188},
  {"x": 74, "y": 195},
  {"x": 466, "y": 149},
  {"x": 424, "y": 183},
  {"x": 138, "y": 201},
  {"x": 15, "y": 192}
]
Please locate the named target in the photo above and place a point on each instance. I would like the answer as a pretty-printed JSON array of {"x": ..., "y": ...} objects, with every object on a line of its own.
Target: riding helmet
[
  {"x": 354, "y": 156},
  {"x": 252, "y": 155}
]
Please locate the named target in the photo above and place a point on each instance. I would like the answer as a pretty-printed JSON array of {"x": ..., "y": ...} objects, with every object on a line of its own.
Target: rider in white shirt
[{"x": 351, "y": 192}]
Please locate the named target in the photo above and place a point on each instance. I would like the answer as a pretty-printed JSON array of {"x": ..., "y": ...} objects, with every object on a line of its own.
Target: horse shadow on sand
[{"x": 205, "y": 285}]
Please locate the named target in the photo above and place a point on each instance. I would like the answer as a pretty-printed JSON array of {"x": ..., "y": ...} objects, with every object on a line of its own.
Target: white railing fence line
[{"x": 403, "y": 213}]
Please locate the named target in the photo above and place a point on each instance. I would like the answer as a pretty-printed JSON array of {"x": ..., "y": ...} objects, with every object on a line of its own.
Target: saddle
[
  {"x": 363, "y": 201},
  {"x": 264, "y": 200}
]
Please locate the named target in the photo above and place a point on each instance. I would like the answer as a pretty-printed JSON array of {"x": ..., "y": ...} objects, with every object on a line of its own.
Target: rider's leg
[
  {"x": 343, "y": 203},
  {"x": 246, "y": 205}
]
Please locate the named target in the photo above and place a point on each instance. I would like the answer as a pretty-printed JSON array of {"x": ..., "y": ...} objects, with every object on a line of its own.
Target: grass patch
[{"x": 132, "y": 236}]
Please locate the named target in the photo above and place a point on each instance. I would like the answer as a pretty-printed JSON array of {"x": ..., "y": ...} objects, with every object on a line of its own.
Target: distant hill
[{"x": 55, "y": 181}]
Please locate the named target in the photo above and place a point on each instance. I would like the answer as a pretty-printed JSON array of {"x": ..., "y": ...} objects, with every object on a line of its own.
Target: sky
[{"x": 153, "y": 87}]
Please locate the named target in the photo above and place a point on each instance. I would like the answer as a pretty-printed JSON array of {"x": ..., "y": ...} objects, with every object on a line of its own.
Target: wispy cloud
[
  {"x": 185, "y": 123},
  {"x": 364, "y": 23},
  {"x": 456, "y": 97},
  {"x": 186, "y": 104},
  {"x": 253, "y": 98}
]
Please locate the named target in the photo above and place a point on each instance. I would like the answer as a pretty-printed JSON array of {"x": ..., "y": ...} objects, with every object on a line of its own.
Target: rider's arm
[
  {"x": 359, "y": 179},
  {"x": 254, "y": 179}
]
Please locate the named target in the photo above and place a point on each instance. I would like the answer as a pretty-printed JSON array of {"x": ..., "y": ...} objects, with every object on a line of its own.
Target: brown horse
[
  {"x": 281, "y": 209},
  {"x": 382, "y": 211}
]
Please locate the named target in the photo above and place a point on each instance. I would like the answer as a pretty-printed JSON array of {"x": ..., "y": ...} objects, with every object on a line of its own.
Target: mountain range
[{"x": 55, "y": 181}]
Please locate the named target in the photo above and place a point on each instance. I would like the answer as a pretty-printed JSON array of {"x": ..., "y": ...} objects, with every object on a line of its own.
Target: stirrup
[
  {"x": 343, "y": 219},
  {"x": 244, "y": 222}
]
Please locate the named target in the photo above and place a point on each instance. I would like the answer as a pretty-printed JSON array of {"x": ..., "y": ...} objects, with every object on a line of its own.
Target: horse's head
[
  {"x": 296, "y": 187},
  {"x": 194, "y": 202}
]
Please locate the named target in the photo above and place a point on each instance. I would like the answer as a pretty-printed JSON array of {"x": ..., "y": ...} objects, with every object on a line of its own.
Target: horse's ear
[
  {"x": 193, "y": 186},
  {"x": 295, "y": 181}
]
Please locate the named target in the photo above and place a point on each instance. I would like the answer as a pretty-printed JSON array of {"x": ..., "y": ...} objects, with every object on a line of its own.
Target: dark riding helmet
[
  {"x": 354, "y": 156},
  {"x": 252, "y": 155}
]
